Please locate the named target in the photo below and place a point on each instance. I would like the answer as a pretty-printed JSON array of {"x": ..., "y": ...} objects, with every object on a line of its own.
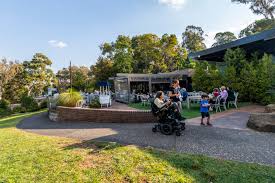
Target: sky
[{"x": 73, "y": 30}]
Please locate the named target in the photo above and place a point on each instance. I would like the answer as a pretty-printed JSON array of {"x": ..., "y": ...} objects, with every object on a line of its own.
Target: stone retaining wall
[{"x": 103, "y": 115}]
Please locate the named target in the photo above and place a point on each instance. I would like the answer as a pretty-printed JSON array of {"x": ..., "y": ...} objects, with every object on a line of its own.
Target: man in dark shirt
[
  {"x": 174, "y": 94},
  {"x": 173, "y": 91}
]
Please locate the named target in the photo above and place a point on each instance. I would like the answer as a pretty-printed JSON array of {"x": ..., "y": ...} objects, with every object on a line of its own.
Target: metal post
[
  {"x": 71, "y": 85},
  {"x": 150, "y": 84}
]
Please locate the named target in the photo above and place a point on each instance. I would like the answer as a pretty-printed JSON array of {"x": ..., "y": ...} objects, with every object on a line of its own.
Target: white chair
[
  {"x": 218, "y": 104},
  {"x": 104, "y": 100},
  {"x": 144, "y": 100},
  {"x": 234, "y": 102}
]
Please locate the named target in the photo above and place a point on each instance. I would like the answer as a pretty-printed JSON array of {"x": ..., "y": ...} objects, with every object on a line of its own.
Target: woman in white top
[
  {"x": 170, "y": 106},
  {"x": 159, "y": 100}
]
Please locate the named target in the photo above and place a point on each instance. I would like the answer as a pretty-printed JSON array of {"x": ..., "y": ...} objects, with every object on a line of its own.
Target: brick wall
[{"x": 107, "y": 115}]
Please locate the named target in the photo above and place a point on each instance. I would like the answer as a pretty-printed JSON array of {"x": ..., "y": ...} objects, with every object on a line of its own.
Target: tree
[
  {"x": 248, "y": 84},
  {"x": 103, "y": 69},
  {"x": 80, "y": 78},
  {"x": 257, "y": 27},
  {"x": 8, "y": 70},
  {"x": 231, "y": 79},
  {"x": 223, "y": 38},
  {"x": 63, "y": 77},
  {"x": 235, "y": 58},
  {"x": 264, "y": 79},
  {"x": 147, "y": 54},
  {"x": 15, "y": 88},
  {"x": 123, "y": 56},
  {"x": 260, "y": 7},
  {"x": 173, "y": 54},
  {"x": 193, "y": 39},
  {"x": 37, "y": 74},
  {"x": 206, "y": 77}
]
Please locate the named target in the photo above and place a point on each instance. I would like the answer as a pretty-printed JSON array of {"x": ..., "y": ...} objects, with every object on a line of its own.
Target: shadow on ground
[{"x": 240, "y": 145}]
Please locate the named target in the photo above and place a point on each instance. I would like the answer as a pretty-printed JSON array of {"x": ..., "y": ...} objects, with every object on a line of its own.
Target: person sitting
[
  {"x": 216, "y": 92},
  {"x": 231, "y": 94},
  {"x": 223, "y": 94},
  {"x": 169, "y": 106},
  {"x": 183, "y": 94}
]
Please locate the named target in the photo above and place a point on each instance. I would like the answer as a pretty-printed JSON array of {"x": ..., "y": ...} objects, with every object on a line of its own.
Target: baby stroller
[{"x": 167, "y": 123}]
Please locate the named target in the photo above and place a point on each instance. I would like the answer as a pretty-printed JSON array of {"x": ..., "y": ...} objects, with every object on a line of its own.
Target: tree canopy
[
  {"x": 146, "y": 53},
  {"x": 29, "y": 78},
  {"x": 193, "y": 39},
  {"x": 257, "y": 27},
  {"x": 223, "y": 37},
  {"x": 260, "y": 7}
]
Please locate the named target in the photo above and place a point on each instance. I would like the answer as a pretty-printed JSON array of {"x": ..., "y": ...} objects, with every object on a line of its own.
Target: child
[{"x": 204, "y": 106}]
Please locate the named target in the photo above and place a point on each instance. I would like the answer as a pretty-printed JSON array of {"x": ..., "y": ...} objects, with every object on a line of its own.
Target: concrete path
[{"x": 220, "y": 142}]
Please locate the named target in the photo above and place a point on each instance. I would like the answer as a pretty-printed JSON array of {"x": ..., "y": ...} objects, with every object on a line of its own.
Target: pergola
[
  {"x": 263, "y": 42},
  {"x": 127, "y": 84}
]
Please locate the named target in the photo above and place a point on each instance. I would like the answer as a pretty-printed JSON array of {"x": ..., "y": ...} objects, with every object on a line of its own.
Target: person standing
[
  {"x": 174, "y": 93},
  {"x": 204, "y": 109}
]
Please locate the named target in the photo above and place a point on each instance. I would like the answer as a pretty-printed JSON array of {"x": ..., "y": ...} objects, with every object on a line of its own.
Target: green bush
[
  {"x": 4, "y": 104},
  {"x": 29, "y": 104},
  {"x": 69, "y": 99},
  {"x": 19, "y": 109},
  {"x": 251, "y": 76},
  {"x": 95, "y": 104},
  {"x": 4, "y": 112},
  {"x": 43, "y": 104}
]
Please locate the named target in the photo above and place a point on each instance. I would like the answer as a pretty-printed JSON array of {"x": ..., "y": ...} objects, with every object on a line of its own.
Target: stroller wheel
[
  {"x": 178, "y": 133},
  {"x": 182, "y": 126},
  {"x": 154, "y": 129},
  {"x": 166, "y": 129}
]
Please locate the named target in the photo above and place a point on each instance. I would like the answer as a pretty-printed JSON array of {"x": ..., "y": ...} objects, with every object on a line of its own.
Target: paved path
[{"x": 232, "y": 144}]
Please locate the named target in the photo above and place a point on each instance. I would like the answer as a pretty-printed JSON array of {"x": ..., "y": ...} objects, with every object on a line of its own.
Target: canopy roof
[
  {"x": 263, "y": 42},
  {"x": 103, "y": 83}
]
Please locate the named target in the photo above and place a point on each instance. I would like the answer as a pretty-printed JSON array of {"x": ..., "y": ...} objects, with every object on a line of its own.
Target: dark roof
[
  {"x": 263, "y": 42},
  {"x": 103, "y": 83}
]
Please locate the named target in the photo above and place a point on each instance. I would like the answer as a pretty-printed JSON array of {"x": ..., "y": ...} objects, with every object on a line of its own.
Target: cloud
[
  {"x": 177, "y": 4},
  {"x": 57, "y": 44}
]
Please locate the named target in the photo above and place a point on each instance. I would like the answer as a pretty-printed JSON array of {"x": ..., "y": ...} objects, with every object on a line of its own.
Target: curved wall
[{"x": 102, "y": 115}]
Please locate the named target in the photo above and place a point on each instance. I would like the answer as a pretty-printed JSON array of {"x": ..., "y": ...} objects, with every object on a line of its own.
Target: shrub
[
  {"x": 5, "y": 112},
  {"x": 95, "y": 104},
  {"x": 29, "y": 104},
  {"x": 4, "y": 104},
  {"x": 43, "y": 104},
  {"x": 19, "y": 109},
  {"x": 206, "y": 77},
  {"x": 69, "y": 99}
]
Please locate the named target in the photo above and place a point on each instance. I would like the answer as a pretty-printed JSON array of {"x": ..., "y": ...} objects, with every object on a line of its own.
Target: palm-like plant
[{"x": 69, "y": 99}]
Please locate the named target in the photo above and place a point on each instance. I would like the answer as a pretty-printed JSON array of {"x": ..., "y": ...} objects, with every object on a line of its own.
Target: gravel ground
[{"x": 224, "y": 143}]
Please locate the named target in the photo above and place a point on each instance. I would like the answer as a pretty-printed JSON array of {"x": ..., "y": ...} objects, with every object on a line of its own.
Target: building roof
[
  {"x": 185, "y": 72},
  {"x": 262, "y": 42}
]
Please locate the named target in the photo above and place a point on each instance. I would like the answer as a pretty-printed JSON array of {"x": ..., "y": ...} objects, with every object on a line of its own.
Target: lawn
[
  {"x": 193, "y": 112},
  {"x": 26, "y": 157}
]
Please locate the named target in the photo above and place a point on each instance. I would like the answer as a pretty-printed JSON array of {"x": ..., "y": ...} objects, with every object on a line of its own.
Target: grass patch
[
  {"x": 26, "y": 157},
  {"x": 193, "y": 112}
]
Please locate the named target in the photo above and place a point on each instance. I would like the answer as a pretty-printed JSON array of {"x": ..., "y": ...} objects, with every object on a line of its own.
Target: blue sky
[{"x": 73, "y": 30}]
